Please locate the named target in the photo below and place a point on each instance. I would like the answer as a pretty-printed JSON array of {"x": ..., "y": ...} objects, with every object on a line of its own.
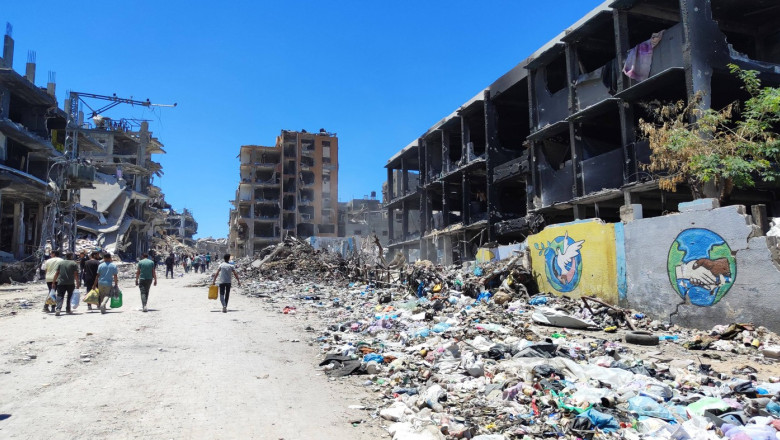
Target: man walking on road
[
  {"x": 66, "y": 279},
  {"x": 146, "y": 273},
  {"x": 51, "y": 268},
  {"x": 90, "y": 272},
  {"x": 169, "y": 262},
  {"x": 107, "y": 272},
  {"x": 223, "y": 272}
]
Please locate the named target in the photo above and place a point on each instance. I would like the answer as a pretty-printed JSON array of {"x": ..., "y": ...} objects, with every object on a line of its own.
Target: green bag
[{"x": 116, "y": 299}]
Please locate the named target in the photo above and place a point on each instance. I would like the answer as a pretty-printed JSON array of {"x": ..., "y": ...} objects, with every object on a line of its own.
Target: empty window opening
[
  {"x": 556, "y": 151},
  {"x": 750, "y": 27},
  {"x": 512, "y": 117},
  {"x": 266, "y": 229},
  {"x": 555, "y": 74},
  {"x": 455, "y": 145},
  {"x": 266, "y": 211}
]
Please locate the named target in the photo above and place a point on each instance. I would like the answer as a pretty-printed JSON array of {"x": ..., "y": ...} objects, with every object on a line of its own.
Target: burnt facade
[{"x": 555, "y": 139}]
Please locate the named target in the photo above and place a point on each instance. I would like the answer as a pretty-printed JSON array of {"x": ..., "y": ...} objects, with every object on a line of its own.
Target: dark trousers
[
  {"x": 168, "y": 269},
  {"x": 144, "y": 285},
  {"x": 61, "y": 291},
  {"x": 224, "y": 293}
]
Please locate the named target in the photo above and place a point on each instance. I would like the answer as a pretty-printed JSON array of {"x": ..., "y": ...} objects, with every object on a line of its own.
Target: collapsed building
[
  {"x": 182, "y": 226},
  {"x": 66, "y": 178},
  {"x": 555, "y": 139},
  {"x": 364, "y": 217},
  {"x": 123, "y": 210},
  {"x": 288, "y": 189}
]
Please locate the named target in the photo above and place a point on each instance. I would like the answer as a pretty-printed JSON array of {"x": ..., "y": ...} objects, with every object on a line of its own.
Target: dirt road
[{"x": 182, "y": 370}]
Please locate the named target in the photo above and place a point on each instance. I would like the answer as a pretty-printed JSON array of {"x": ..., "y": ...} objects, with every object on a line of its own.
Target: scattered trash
[{"x": 475, "y": 351}]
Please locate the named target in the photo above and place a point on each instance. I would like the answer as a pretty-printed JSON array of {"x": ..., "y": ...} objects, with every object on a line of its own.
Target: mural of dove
[{"x": 564, "y": 259}]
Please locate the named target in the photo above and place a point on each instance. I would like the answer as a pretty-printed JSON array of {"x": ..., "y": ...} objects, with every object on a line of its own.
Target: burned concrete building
[
  {"x": 555, "y": 139},
  {"x": 288, "y": 189}
]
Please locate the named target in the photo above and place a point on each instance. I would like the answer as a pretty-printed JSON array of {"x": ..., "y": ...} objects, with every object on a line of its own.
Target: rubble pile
[
  {"x": 294, "y": 258},
  {"x": 476, "y": 352}
]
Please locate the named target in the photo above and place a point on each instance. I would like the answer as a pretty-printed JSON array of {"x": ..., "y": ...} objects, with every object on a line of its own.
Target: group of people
[
  {"x": 188, "y": 262},
  {"x": 97, "y": 271}
]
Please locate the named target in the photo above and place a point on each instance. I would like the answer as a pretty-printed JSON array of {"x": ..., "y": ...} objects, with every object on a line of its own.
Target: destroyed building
[
  {"x": 120, "y": 210},
  {"x": 215, "y": 246},
  {"x": 364, "y": 217},
  {"x": 182, "y": 226},
  {"x": 288, "y": 189},
  {"x": 67, "y": 177},
  {"x": 555, "y": 139},
  {"x": 31, "y": 136}
]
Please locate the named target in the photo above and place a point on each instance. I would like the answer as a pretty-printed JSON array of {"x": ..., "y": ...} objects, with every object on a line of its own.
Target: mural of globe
[{"x": 701, "y": 266}]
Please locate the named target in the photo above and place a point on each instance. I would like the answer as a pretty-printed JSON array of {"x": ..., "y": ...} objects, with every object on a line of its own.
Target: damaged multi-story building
[
  {"x": 67, "y": 177},
  {"x": 290, "y": 188},
  {"x": 182, "y": 226},
  {"x": 555, "y": 139},
  {"x": 31, "y": 137},
  {"x": 120, "y": 211}
]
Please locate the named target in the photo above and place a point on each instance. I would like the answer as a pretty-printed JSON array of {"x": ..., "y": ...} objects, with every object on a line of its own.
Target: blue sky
[{"x": 377, "y": 73}]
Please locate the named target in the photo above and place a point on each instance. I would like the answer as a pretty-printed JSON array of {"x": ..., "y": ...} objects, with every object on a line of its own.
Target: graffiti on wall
[
  {"x": 562, "y": 261},
  {"x": 701, "y": 266}
]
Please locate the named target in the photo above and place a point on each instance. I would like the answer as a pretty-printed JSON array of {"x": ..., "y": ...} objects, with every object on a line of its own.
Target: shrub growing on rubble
[{"x": 736, "y": 146}]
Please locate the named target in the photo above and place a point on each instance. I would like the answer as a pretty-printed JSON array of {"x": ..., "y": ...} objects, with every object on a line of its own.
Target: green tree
[{"x": 736, "y": 146}]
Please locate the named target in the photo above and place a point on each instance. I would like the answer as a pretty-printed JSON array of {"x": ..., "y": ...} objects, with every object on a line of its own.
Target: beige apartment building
[{"x": 288, "y": 189}]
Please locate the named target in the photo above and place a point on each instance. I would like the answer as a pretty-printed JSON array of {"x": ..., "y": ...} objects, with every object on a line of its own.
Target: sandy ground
[{"x": 182, "y": 370}]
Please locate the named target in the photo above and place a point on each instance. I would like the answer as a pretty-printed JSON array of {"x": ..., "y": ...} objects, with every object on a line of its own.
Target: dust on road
[{"x": 182, "y": 370}]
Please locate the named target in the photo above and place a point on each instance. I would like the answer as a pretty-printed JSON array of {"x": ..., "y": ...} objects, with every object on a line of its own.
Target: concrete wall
[
  {"x": 702, "y": 267},
  {"x": 576, "y": 259}
]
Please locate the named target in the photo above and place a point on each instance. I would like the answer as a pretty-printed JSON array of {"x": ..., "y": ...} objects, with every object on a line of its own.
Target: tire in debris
[{"x": 641, "y": 338}]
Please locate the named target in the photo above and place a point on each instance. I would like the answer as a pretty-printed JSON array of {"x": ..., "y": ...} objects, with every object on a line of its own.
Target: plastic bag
[
  {"x": 93, "y": 297},
  {"x": 213, "y": 291},
  {"x": 74, "y": 299},
  {"x": 645, "y": 406},
  {"x": 116, "y": 299},
  {"x": 51, "y": 298}
]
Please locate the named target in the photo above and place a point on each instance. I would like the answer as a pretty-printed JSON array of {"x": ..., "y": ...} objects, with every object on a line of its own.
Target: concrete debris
[{"x": 476, "y": 352}]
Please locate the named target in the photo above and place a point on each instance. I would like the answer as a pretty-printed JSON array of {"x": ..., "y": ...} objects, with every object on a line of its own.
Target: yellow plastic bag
[
  {"x": 213, "y": 291},
  {"x": 93, "y": 297}
]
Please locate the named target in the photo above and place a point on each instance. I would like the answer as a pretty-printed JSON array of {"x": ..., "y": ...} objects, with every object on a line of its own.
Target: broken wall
[
  {"x": 576, "y": 259},
  {"x": 702, "y": 267}
]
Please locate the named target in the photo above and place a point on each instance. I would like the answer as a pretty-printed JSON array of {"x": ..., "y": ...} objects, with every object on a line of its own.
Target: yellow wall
[{"x": 596, "y": 273}]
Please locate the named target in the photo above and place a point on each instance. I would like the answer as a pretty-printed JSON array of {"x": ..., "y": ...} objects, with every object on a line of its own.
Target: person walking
[
  {"x": 66, "y": 279},
  {"x": 107, "y": 272},
  {"x": 90, "y": 272},
  {"x": 51, "y": 268},
  {"x": 144, "y": 275},
  {"x": 224, "y": 270},
  {"x": 208, "y": 260},
  {"x": 82, "y": 258},
  {"x": 186, "y": 263},
  {"x": 196, "y": 263},
  {"x": 169, "y": 262}
]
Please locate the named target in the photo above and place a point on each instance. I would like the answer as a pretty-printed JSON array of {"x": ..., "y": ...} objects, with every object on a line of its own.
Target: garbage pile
[{"x": 477, "y": 352}]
